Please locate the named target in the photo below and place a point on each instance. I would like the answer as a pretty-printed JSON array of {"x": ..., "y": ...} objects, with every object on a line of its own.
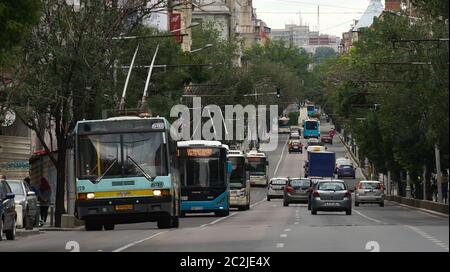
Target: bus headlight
[
  {"x": 157, "y": 193},
  {"x": 90, "y": 196}
]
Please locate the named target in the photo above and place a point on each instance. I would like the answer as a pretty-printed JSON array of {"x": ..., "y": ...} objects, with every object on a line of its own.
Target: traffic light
[{"x": 278, "y": 92}]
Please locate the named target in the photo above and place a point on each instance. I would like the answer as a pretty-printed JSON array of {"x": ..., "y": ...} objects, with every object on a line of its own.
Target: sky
[{"x": 336, "y": 16}]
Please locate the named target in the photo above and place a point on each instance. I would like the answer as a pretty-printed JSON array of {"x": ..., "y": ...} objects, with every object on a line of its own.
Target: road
[{"x": 267, "y": 226}]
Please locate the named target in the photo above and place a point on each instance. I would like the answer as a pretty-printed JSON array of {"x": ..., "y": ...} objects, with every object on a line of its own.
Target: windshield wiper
[
  {"x": 147, "y": 176},
  {"x": 97, "y": 180}
]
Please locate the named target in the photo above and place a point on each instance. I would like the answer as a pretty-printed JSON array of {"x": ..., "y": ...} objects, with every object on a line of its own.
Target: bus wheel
[
  {"x": 109, "y": 226},
  {"x": 222, "y": 213},
  {"x": 93, "y": 226}
]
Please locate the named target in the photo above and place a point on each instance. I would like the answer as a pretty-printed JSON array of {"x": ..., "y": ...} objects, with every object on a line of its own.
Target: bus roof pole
[
  {"x": 142, "y": 106},
  {"x": 124, "y": 94}
]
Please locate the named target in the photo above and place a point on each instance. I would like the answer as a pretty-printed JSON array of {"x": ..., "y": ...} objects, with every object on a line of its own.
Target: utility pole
[{"x": 408, "y": 187}]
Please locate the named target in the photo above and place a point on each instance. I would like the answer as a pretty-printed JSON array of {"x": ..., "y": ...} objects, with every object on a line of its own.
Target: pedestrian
[
  {"x": 32, "y": 187},
  {"x": 45, "y": 193},
  {"x": 445, "y": 187},
  {"x": 2, "y": 178},
  {"x": 434, "y": 189}
]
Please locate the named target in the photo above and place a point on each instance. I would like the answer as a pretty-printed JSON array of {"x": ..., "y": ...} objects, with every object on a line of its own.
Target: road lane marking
[
  {"x": 367, "y": 217},
  {"x": 296, "y": 223},
  {"x": 257, "y": 203},
  {"x": 220, "y": 219},
  {"x": 431, "y": 238},
  {"x": 281, "y": 158},
  {"x": 283, "y": 235},
  {"x": 287, "y": 230},
  {"x": 280, "y": 245},
  {"x": 138, "y": 242}
]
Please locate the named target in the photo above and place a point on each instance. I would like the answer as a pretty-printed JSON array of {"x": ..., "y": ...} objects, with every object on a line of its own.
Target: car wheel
[
  {"x": 247, "y": 207},
  {"x": 356, "y": 204},
  {"x": 313, "y": 212},
  {"x": 241, "y": 208},
  {"x": 182, "y": 214},
  {"x": 285, "y": 204},
  {"x": 11, "y": 234},
  {"x": 382, "y": 204},
  {"x": 93, "y": 226},
  {"x": 109, "y": 226},
  {"x": 348, "y": 212},
  {"x": 268, "y": 198},
  {"x": 166, "y": 222}
]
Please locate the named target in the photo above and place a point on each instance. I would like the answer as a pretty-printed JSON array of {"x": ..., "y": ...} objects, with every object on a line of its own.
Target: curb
[
  {"x": 25, "y": 233},
  {"x": 61, "y": 229},
  {"x": 420, "y": 209}
]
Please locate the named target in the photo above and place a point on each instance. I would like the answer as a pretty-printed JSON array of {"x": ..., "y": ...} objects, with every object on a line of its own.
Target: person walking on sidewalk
[
  {"x": 445, "y": 187},
  {"x": 45, "y": 193}
]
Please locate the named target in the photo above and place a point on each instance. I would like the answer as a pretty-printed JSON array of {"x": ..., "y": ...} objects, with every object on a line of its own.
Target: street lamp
[
  {"x": 158, "y": 36},
  {"x": 200, "y": 49}
]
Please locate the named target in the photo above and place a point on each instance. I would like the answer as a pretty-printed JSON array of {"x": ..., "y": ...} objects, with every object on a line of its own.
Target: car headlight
[{"x": 90, "y": 196}]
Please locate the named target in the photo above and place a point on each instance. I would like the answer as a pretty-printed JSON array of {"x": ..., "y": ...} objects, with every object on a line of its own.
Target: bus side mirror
[{"x": 229, "y": 167}]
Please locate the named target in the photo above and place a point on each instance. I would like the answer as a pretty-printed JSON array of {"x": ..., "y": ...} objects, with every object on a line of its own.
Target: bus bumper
[
  {"x": 258, "y": 180},
  {"x": 125, "y": 210}
]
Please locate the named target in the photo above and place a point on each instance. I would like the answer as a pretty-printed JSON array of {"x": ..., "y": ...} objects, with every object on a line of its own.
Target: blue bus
[
  {"x": 126, "y": 172},
  {"x": 311, "y": 128},
  {"x": 311, "y": 109},
  {"x": 204, "y": 169}
]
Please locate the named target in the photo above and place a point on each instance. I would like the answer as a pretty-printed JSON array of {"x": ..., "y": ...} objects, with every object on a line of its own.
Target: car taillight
[
  {"x": 347, "y": 194},
  {"x": 316, "y": 194},
  {"x": 289, "y": 189}
]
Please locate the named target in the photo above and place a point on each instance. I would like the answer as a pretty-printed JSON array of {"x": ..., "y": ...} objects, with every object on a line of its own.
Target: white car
[
  {"x": 275, "y": 189},
  {"x": 294, "y": 135}
]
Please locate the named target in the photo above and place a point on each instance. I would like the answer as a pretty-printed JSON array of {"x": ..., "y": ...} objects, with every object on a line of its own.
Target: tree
[
  {"x": 323, "y": 53},
  {"x": 65, "y": 72},
  {"x": 16, "y": 19}
]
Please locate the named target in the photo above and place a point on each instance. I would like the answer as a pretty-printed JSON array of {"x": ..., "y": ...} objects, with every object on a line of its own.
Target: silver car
[
  {"x": 296, "y": 191},
  {"x": 25, "y": 197},
  {"x": 331, "y": 195},
  {"x": 275, "y": 189},
  {"x": 369, "y": 191}
]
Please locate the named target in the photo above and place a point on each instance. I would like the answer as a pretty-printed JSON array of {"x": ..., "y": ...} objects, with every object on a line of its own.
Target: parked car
[
  {"x": 327, "y": 139},
  {"x": 369, "y": 191},
  {"x": 27, "y": 199},
  {"x": 331, "y": 195},
  {"x": 346, "y": 171},
  {"x": 296, "y": 191},
  {"x": 7, "y": 212},
  {"x": 295, "y": 146},
  {"x": 275, "y": 189}
]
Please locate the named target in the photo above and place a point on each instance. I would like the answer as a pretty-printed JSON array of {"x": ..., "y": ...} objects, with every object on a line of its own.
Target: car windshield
[
  {"x": 16, "y": 187},
  {"x": 303, "y": 183},
  {"x": 278, "y": 181},
  {"x": 331, "y": 186},
  {"x": 370, "y": 185}
]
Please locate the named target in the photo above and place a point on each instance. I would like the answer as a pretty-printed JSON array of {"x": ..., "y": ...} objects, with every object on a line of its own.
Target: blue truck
[{"x": 320, "y": 164}]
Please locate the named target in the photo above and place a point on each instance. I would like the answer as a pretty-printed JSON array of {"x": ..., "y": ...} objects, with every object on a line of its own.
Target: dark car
[
  {"x": 346, "y": 171},
  {"x": 295, "y": 146},
  {"x": 327, "y": 139},
  {"x": 7, "y": 212},
  {"x": 296, "y": 191}
]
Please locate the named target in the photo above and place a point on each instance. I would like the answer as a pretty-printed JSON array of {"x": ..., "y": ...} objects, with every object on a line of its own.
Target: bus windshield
[
  {"x": 237, "y": 177},
  {"x": 204, "y": 172},
  {"x": 310, "y": 108},
  {"x": 257, "y": 166},
  {"x": 311, "y": 125},
  {"x": 121, "y": 155}
]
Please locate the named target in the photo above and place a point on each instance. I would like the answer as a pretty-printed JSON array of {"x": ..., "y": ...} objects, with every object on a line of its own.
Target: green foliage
[
  {"x": 16, "y": 19},
  {"x": 293, "y": 118},
  {"x": 323, "y": 53}
]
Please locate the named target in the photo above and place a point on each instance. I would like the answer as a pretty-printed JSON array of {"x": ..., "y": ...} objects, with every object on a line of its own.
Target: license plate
[
  {"x": 124, "y": 207},
  {"x": 196, "y": 208},
  {"x": 332, "y": 204}
]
